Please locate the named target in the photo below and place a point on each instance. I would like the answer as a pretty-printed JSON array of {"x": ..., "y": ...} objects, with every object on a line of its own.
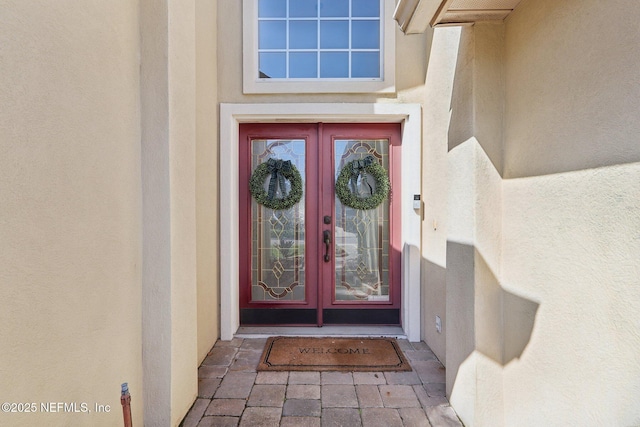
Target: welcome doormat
[{"x": 332, "y": 354}]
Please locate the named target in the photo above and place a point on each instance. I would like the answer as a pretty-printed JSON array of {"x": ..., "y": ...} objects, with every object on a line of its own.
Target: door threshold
[{"x": 324, "y": 331}]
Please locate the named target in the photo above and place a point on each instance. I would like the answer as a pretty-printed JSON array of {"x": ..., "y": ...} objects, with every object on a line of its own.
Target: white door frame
[{"x": 231, "y": 115}]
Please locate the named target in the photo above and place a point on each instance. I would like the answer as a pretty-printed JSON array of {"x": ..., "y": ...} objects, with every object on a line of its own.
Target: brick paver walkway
[{"x": 232, "y": 393}]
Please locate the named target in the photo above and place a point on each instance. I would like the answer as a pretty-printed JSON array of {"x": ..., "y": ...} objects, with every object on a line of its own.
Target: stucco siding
[
  {"x": 207, "y": 175},
  {"x": 70, "y": 263},
  {"x": 571, "y": 210},
  {"x": 572, "y": 86}
]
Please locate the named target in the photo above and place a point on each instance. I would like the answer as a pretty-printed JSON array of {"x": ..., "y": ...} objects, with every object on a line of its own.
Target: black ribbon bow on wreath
[
  {"x": 358, "y": 169},
  {"x": 277, "y": 168}
]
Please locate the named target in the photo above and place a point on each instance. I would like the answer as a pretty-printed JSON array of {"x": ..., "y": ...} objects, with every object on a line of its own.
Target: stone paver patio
[{"x": 232, "y": 393}]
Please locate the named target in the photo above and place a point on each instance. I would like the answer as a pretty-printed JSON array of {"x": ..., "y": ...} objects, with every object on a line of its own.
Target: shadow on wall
[
  {"x": 481, "y": 315},
  {"x": 434, "y": 304},
  {"x": 562, "y": 236},
  {"x": 413, "y": 48},
  {"x": 530, "y": 121},
  {"x": 477, "y": 99}
]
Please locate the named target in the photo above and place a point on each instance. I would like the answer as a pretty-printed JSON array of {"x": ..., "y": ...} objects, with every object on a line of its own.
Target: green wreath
[
  {"x": 279, "y": 170},
  {"x": 346, "y": 184}
]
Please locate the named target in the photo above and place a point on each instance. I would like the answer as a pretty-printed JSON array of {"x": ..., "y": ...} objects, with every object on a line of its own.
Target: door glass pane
[
  {"x": 362, "y": 236},
  {"x": 277, "y": 237}
]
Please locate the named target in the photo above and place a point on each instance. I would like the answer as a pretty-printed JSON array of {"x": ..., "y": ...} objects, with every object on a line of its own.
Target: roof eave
[{"x": 415, "y": 16}]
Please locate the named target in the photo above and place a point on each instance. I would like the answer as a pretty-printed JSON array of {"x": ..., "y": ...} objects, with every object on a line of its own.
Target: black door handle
[{"x": 327, "y": 245}]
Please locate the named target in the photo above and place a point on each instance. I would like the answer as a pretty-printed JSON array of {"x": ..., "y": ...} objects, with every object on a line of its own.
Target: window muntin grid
[{"x": 320, "y": 39}]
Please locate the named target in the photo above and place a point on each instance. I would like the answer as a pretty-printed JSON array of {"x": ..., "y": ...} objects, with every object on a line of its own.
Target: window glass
[
  {"x": 303, "y": 34},
  {"x": 303, "y": 65},
  {"x": 334, "y": 34},
  {"x": 365, "y": 64},
  {"x": 334, "y": 64},
  {"x": 334, "y": 8},
  {"x": 365, "y": 8},
  {"x": 272, "y": 8},
  {"x": 303, "y": 9},
  {"x": 273, "y": 35},
  {"x": 365, "y": 35},
  {"x": 337, "y": 42},
  {"x": 273, "y": 65}
]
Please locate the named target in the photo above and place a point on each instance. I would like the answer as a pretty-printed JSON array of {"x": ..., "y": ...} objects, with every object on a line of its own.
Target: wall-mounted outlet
[{"x": 438, "y": 324}]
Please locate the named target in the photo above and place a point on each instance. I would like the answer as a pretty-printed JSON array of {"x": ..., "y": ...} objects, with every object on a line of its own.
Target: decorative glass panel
[
  {"x": 362, "y": 236},
  {"x": 277, "y": 237}
]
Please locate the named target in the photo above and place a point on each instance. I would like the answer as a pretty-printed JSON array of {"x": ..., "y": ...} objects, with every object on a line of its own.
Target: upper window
[{"x": 318, "y": 46}]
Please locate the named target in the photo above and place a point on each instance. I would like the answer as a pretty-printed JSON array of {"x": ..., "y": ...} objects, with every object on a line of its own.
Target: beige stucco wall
[
  {"x": 108, "y": 132},
  {"x": 207, "y": 175},
  {"x": 70, "y": 263},
  {"x": 571, "y": 210},
  {"x": 542, "y": 225},
  {"x": 474, "y": 295},
  {"x": 571, "y": 65},
  {"x": 173, "y": 133},
  {"x": 182, "y": 192},
  {"x": 475, "y": 299},
  {"x": 438, "y": 90}
]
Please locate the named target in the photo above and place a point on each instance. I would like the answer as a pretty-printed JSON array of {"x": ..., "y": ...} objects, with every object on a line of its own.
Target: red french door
[{"x": 319, "y": 262}]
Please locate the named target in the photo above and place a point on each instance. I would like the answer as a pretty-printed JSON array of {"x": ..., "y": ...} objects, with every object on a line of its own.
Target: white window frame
[{"x": 253, "y": 84}]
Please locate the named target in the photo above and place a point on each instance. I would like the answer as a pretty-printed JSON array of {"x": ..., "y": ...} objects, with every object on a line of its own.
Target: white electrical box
[{"x": 416, "y": 201}]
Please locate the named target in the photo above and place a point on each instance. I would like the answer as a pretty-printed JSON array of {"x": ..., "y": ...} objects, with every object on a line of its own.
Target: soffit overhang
[{"x": 414, "y": 16}]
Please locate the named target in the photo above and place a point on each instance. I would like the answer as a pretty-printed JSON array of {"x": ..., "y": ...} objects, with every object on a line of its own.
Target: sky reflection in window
[{"x": 319, "y": 39}]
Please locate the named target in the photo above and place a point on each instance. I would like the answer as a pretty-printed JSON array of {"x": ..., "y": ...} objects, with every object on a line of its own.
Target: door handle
[{"x": 327, "y": 245}]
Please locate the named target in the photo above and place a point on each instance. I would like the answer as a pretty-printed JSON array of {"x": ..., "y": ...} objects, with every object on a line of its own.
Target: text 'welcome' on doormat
[{"x": 332, "y": 354}]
